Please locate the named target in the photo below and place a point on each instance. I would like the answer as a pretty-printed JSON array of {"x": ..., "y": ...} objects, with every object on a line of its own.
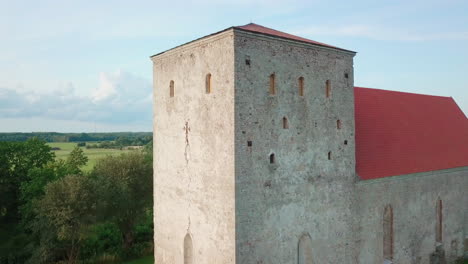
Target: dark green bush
[
  {"x": 462, "y": 261},
  {"x": 104, "y": 239}
]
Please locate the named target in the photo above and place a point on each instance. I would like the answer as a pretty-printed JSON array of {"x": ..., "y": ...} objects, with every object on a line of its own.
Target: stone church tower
[
  {"x": 254, "y": 150},
  {"x": 265, "y": 153}
]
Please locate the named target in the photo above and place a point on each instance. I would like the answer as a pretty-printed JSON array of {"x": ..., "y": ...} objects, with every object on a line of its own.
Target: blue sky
[{"x": 84, "y": 65}]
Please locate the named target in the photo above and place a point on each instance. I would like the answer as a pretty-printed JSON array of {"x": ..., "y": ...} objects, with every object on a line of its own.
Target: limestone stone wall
[
  {"x": 245, "y": 176},
  {"x": 303, "y": 193},
  {"x": 194, "y": 153},
  {"x": 414, "y": 202}
]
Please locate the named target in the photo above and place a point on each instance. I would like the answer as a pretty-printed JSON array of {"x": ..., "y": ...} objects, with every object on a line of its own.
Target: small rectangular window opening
[
  {"x": 272, "y": 158},
  {"x": 388, "y": 234},
  {"x": 338, "y": 124},
  {"x": 301, "y": 86},
  {"x": 285, "y": 123},
  {"x": 328, "y": 88},
  {"x": 171, "y": 89},
  {"x": 329, "y": 155},
  {"x": 439, "y": 222},
  {"x": 272, "y": 84},
  {"x": 249, "y": 143},
  {"x": 208, "y": 83}
]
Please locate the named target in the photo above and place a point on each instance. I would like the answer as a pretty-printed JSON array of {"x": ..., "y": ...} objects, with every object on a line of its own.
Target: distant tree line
[
  {"x": 75, "y": 137},
  {"x": 53, "y": 212},
  {"x": 120, "y": 142}
]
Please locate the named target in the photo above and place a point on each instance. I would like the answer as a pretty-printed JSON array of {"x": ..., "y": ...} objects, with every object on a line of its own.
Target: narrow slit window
[
  {"x": 329, "y": 155},
  {"x": 305, "y": 250},
  {"x": 272, "y": 84},
  {"x": 208, "y": 83},
  {"x": 328, "y": 88},
  {"x": 388, "y": 234},
  {"x": 285, "y": 123},
  {"x": 272, "y": 158},
  {"x": 188, "y": 250},
  {"x": 301, "y": 86},
  {"x": 439, "y": 221},
  {"x": 338, "y": 124},
  {"x": 171, "y": 89}
]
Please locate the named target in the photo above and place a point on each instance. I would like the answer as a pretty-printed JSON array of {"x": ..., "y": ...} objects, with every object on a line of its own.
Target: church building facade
[{"x": 265, "y": 152}]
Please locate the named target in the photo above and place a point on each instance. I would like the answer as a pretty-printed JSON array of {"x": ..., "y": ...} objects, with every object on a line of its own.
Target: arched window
[
  {"x": 272, "y": 84},
  {"x": 188, "y": 250},
  {"x": 285, "y": 123},
  {"x": 171, "y": 89},
  {"x": 208, "y": 83},
  {"x": 439, "y": 221},
  {"x": 328, "y": 88},
  {"x": 301, "y": 86},
  {"x": 388, "y": 234},
  {"x": 338, "y": 124},
  {"x": 272, "y": 158},
  {"x": 304, "y": 251}
]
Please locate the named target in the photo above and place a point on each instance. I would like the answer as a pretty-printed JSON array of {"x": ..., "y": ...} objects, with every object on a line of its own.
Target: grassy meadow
[{"x": 92, "y": 154}]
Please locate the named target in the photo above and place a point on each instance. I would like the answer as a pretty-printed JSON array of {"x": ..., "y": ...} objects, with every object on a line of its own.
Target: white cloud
[
  {"x": 120, "y": 98},
  {"x": 106, "y": 88}
]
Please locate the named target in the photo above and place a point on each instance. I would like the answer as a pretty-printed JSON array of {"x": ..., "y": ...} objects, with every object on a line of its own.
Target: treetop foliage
[
  {"x": 74, "y": 137},
  {"x": 53, "y": 212}
]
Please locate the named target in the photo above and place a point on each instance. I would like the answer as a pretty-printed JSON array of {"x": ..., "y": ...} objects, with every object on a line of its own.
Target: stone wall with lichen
[
  {"x": 194, "y": 152},
  {"x": 414, "y": 201},
  {"x": 245, "y": 176},
  {"x": 303, "y": 192}
]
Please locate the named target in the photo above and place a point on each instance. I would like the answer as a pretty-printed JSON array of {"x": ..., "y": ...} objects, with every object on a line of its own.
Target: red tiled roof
[
  {"x": 265, "y": 31},
  {"x": 272, "y": 32},
  {"x": 400, "y": 133}
]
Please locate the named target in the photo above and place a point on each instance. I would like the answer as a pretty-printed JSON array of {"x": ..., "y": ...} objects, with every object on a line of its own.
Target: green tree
[
  {"x": 76, "y": 159},
  {"x": 148, "y": 151},
  {"x": 34, "y": 188},
  {"x": 16, "y": 160},
  {"x": 66, "y": 211},
  {"x": 125, "y": 187}
]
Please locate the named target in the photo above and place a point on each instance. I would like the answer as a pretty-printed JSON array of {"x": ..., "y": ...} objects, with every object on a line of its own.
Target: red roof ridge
[
  {"x": 255, "y": 28},
  {"x": 393, "y": 91},
  {"x": 259, "y": 29}
]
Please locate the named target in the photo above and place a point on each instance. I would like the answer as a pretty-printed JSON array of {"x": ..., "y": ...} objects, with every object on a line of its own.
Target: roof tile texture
[{"x": 401, "y": 133}]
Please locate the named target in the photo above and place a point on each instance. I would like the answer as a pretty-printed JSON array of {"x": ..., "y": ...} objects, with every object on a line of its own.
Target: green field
[{"x": 92, "y": 154}]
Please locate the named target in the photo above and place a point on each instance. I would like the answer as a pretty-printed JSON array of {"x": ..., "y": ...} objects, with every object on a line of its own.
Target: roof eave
[
  {"x": 258, "y": 33},
  {"x": 295, "y": 40},
  {"x": 186, "y": 43}
]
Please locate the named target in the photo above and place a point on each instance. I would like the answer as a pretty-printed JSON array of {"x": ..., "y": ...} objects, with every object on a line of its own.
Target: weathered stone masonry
[
  {"x": 254, "y": 162},
  {"x": 277, "y": 204}
]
